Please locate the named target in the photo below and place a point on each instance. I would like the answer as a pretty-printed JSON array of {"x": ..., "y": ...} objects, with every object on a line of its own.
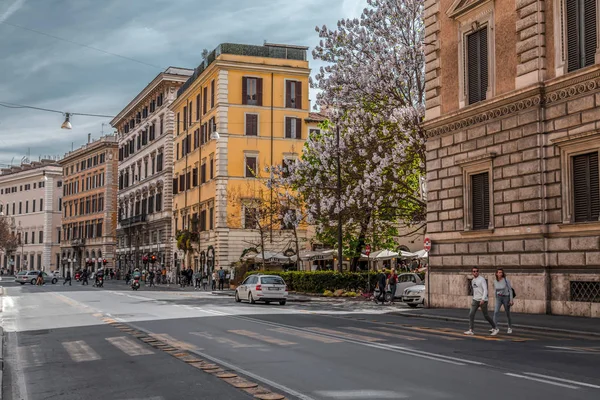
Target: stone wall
[{"x": 530, "y": 233}]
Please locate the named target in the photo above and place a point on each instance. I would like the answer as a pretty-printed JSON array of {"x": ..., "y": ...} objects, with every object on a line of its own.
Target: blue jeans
[{"x": 502, "y": 300}]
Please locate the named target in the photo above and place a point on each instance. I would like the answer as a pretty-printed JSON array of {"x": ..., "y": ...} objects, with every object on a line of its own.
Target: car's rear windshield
[
  {"x": 22, "y": 273},
  {"x": 272, "y": 280}
]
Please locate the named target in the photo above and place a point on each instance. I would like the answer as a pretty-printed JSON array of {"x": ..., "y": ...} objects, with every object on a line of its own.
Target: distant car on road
[
  {"x": 406, "y": 280},
  {"x": 414, "y": 295},
  {"x": 24, "y": 277},
  {"x": 267, "y": 288}
]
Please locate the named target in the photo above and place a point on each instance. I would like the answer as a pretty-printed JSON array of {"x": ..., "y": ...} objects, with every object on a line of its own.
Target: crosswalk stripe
[
  {"x": 129, "y": 347},
  {"x": 423, "y": 333},
  {"x": 229, "y": 342},
  {"x": 306, "y": 335},
  {"x": 79, "y": 351},
  {"x": 257, "y": 336},
  {"x": 387, "y": 334},
  {"x": 346, "y": 335}
]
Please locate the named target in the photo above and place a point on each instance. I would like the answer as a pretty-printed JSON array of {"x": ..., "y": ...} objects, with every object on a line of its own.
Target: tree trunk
[
  {"x": 297, "y": 248},
  {"x": 360, "y": 244}
]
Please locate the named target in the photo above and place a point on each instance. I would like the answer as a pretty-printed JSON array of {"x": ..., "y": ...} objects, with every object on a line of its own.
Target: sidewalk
[{"x": 540, "y": 322}]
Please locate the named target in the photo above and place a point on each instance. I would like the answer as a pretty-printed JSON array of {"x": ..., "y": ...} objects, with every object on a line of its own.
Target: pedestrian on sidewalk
[
  {"x": 221, "y": 278},
  {"x": 204, "y": 281},
  {"x": 151, "y": 278},
  {"x": 197, "y": 280},
  {"x": 215, "y": 277},
  {"x": 84, "y": 277},
  {"x": 40, "y": 279},
  {"x": 67, "y": 278},
  {"x": 480, "y": 300},
  {"x": 392, "y": 282},
  {"x": 504, "y": 297},
  {"x": 381, "y": 285}
]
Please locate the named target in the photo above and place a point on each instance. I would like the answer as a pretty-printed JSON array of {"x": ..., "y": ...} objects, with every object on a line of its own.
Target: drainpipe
[
  {"x": 272, "y": 143},
  {"x": 543, "y": 161}
]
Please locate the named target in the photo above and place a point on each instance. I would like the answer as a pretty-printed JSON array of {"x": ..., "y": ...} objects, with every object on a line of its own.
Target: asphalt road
[{"x": 59, "y": 346}]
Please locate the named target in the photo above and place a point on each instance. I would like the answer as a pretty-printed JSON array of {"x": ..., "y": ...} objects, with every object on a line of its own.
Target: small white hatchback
[{"x": 266, "y": 288}]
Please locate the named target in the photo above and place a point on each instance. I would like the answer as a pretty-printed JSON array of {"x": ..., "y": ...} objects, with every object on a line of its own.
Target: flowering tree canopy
[{"x": 373, "y": 90}]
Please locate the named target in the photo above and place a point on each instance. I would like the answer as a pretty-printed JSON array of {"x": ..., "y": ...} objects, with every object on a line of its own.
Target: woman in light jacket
[{"x": 504, "y": 296}]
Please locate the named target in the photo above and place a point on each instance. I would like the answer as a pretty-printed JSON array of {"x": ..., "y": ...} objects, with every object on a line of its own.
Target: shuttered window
[
  {"x": 198, "y": 107},
  {"x": 252, "y": 91},
  {"x": 586, "y": 187},
  {"x": 477, "y": 65},
  {"x": 251, "y": 171},
  {"x": 212, "y": 94},
  {"x": 480, "y": 200},
  {"x": 581, "y": 33},
  {"x": 251, "y": 125},
  {"x": 293, "y": 94},
  {"x": 293, "y": 128}
]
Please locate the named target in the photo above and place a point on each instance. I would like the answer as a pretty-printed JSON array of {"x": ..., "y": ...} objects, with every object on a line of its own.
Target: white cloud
[{"x": 13, "y": 8}]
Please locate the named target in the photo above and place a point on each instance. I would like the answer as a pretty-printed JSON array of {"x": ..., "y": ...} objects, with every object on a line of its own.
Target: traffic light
[
  {"x": 104, "y": 261},
  {"x": 152, "y": 258}
]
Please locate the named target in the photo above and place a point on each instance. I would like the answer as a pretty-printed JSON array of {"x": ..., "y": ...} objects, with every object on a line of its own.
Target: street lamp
[
  {"x": 20, "y": 235},
  {"x": 67, "y": 123}
]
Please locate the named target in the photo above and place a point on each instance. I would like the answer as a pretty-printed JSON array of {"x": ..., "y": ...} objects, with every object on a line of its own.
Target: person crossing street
[{"x": 480, "y": 300}]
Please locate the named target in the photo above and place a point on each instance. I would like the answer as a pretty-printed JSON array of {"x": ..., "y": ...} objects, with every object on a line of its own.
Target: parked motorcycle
[
  {"x": 135, "y": 285},
  {"x": 100, "y": 282}
]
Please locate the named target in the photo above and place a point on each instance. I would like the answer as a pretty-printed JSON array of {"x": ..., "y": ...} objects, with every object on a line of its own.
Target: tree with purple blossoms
[{"x": 373, "y": 90}]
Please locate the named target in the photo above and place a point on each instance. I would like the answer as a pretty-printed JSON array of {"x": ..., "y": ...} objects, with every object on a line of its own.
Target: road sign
[
  {"x": 427, "y": 244},
  {"x": 368, "y": 249}
]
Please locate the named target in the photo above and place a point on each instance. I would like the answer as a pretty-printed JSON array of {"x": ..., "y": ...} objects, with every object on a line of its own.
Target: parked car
[
  {"x": 24, "y": 277},
  {"x": 265, "y": 288},
  {"x": 414, "y": 295},
  {"x": 406, "y": 280}
]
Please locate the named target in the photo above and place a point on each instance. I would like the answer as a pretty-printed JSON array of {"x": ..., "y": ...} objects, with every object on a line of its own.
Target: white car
[
  {"x": 414, "y": 295},
  {"x": 265, "y": 288}
]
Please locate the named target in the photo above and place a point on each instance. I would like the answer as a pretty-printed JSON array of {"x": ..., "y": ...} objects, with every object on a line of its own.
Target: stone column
[
  {"x": 432, "y": 53},
  {"x": 531, "y": 45}
]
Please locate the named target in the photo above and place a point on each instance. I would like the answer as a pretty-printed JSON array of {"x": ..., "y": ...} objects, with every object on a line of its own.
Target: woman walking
[{"x": 504, "y": 297}]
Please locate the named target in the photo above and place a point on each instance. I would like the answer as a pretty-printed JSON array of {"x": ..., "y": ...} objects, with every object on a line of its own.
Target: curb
[{"x": 529, "y": 327}]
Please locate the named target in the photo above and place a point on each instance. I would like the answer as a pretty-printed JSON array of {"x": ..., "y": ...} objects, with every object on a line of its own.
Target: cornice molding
[{"x": 461, "y": 7}]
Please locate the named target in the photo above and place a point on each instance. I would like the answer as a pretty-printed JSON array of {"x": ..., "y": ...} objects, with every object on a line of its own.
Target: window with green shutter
[
  {"x": 581, "y": 33},
  {"x": 480, "y": 200},
  {"x": 477, "y": 65},
  {"x": 586, "y": 187}
]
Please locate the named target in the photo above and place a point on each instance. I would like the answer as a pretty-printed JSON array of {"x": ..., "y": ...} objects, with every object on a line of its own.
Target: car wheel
[
  {"x": 32, "y": 282},
  {"x": 54, "y": 281},
  {"x": 237, "y": 297},
  {"x": 282, "y": 303},
  {"x": 251, "y": 299},
  {"x": 412, "y": 305}
]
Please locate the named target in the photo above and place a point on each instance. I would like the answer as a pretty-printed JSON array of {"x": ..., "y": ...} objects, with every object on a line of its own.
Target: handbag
[{"x": 514, "y": 294}]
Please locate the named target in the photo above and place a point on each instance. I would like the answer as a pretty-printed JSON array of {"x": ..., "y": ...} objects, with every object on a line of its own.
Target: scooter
[
  {"x": 135, "y": 285},
  {"x": 100, "y": 282}
]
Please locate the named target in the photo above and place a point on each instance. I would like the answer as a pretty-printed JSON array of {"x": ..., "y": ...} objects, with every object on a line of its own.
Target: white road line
[
  {"x": 264, "y": 338},
  {"x": 80, "y": 351},
  {"x": 229, "y": 342},
  {"x": 352, "y": 336},
  {"x": 563, "y": 380},
  {"x": 362, "y": 394},
  {"x": 378, "y": 332},
  {"x": 541, "y": 380},
  {"x": 129, "y": 347},
  {"x": 306, "y": 335},
  {"x": 34, "y": 356}
]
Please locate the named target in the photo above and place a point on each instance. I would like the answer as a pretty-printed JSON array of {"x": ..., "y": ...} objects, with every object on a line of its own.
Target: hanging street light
[{"x": 67, "y": 123}]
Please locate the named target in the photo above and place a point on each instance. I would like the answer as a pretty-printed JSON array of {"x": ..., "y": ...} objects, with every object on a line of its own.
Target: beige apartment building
[
  {"x": 30, "y": 196},
  {"x": 89, "y": 216},
  {"x": 513, "y": 112}
]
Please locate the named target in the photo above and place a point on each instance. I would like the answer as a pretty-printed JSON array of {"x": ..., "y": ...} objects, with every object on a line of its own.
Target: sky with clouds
[{"x": 45, "y": 72}]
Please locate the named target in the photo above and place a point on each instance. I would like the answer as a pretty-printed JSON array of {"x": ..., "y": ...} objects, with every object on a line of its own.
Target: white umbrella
[
  {"x": 406, "y": 254},
  {"x": 422, "y": 254},
  {"x": 316, "y": 255},
  {"x": 380, "y": 255}
]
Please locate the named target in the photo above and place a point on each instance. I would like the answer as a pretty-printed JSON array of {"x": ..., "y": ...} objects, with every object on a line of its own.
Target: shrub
[
  {"x": 328, "y": 293},
  {"x": 320, "y": 281}
]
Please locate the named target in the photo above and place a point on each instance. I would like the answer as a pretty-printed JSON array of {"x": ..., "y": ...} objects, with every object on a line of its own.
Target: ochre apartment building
[
  {"x": 244, "y": 108},
  {"x": 89, "y": 209}
]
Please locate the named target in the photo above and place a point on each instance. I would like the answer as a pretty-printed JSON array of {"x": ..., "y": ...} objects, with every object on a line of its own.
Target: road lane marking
[
  {"x": 455, "y": 334},
  {"x": 306, "y": 335},
  {"x": 33, "y": 355},
  {"x": 258, "y": 336},
  {"x": 580, "y": 350},
  {"x": 79, "y": 351},
  {"x": 352, "y": 336},
  {"x": 387, "y": 334},
  {"x": 362, "y": 394},
  {"x": 229, "y": 342},
  {"x": 541, "y": 380},
  {"x": 130, "y": 347},
  {"x": 385, "y": 328},
  {"x": 171, "y": 341},
  {"x": 563, "y": 380}
]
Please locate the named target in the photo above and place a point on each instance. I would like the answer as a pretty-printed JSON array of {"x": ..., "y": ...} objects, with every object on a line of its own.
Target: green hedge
[{"x": 319, "y": 281}]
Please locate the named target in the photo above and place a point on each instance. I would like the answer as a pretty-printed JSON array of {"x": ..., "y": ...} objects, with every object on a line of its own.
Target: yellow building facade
[{"x": 244, "y": 109}]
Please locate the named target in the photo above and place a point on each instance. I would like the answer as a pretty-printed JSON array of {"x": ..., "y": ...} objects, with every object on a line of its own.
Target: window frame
[
  {"x": 570, "y": 146},
  {"x": 478, "y": 18},
  {"x": 257, "y": 124},
  {"x": 257, "y": 171},
  {"x": 560, "y": 33},
  {"x": 472, "y": 167}
]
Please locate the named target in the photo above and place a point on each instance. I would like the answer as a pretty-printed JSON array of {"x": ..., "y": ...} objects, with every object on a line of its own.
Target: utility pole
[{"x": 339, "y": 195}]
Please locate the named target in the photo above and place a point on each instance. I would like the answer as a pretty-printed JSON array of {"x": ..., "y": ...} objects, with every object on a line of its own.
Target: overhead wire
[
  {"x": 81, "y": 44},
  {"x": 13, "y": 105}
]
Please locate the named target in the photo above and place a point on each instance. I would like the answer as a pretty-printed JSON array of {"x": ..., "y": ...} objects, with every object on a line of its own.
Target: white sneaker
[
  {"x": 469, "y": 332},
  {"x": 495, "y": 332},
  {"x": 509, "y": 331}
]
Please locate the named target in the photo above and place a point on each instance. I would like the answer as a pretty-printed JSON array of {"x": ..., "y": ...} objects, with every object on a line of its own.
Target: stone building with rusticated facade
[{"x": 513, "y": 126}]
